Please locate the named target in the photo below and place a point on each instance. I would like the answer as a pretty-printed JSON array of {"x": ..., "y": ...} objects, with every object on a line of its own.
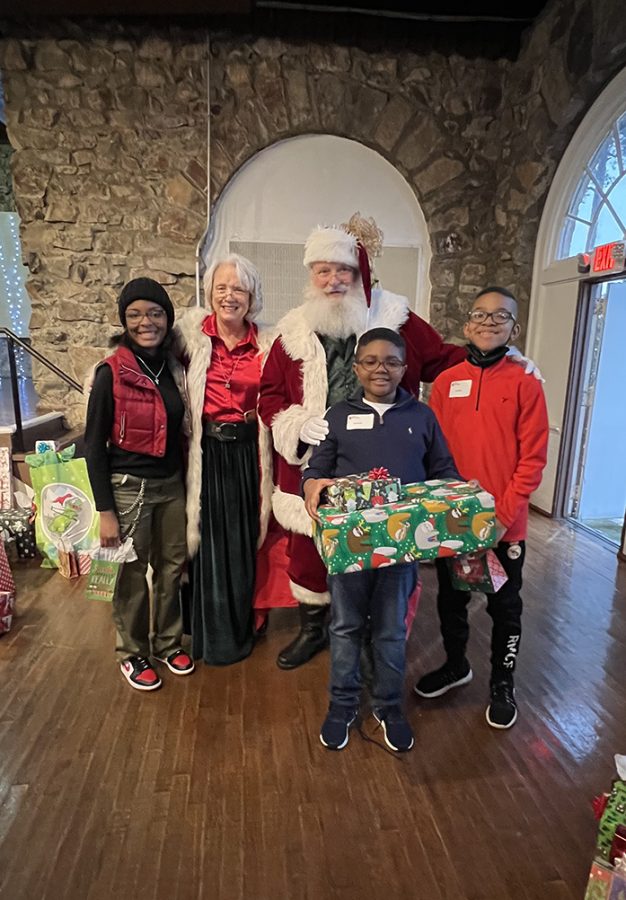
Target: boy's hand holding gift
[{"x": 313, "y": 488}]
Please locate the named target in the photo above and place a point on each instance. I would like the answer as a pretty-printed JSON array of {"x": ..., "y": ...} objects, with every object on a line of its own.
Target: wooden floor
[{"x": 217, "y": 786}]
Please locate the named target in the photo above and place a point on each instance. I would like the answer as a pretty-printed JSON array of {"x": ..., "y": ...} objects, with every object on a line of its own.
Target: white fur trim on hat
[{"x": 331, "y": 245}]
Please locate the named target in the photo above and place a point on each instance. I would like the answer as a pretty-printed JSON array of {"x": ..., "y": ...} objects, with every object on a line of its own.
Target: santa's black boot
[{"x": 313, "y": 637}]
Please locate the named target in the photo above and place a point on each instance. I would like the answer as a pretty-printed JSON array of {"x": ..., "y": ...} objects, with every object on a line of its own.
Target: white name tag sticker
[
  {"x": 461, "y": 388},
  {"x": 360, "y": 422}
]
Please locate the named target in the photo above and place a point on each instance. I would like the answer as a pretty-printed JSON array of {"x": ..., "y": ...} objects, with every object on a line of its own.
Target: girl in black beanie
[{"x": 135, "y": 422}]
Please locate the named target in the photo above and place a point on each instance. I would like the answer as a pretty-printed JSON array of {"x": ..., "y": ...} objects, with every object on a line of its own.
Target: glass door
[{"x": 597, "y": 489}]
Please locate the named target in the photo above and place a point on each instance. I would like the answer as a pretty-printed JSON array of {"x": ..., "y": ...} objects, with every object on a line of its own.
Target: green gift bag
[
  {"x": 103, "y": 576},
  {"x": 66, "y": 510}
]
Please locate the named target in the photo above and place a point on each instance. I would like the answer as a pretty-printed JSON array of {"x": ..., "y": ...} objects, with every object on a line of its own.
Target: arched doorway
[
  {"x": 270, "y": 206},
  {"x": 577, "y": 321}
]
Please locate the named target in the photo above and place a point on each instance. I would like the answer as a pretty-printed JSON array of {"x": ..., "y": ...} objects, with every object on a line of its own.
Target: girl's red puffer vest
[{"x": 139, "y": 417}]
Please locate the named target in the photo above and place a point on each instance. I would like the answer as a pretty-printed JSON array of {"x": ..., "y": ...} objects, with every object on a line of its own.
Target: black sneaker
[
  {"x": 336, "y": 727},
  {"x": 139, "y": 674},
  {"x": 442, "y": 680},
  {"x": 396, "y": 729},
  {"x": 502, "y": 710}
]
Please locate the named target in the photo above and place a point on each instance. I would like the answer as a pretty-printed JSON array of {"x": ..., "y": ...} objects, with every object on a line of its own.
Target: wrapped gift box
[
  {"x": 19, "y": 524},
  {"x": 432, "y": 519},
  {"x": 363, "y": 491},
  {"x": 7, "y": 608},
  {"x": 6, "y": 479},
  {"x": 614, "y": 814},
  {"x": 605, "y": 883}
]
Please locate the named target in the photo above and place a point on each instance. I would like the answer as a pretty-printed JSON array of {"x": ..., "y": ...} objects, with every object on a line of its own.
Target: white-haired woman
[{"x": 228, "y": 501}]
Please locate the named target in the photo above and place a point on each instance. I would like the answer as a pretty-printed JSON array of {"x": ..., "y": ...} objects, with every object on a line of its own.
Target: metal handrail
[{"x": 13, "y": 339}]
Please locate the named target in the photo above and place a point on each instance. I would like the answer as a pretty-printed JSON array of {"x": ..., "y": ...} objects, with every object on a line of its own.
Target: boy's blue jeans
[{"x": 382, "y": 594}]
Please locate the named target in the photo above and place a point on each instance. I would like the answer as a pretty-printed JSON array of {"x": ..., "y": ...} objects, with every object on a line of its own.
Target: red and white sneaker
[
  {"x": 178, "y": 662},
  {"x": 139, "y": 674}
]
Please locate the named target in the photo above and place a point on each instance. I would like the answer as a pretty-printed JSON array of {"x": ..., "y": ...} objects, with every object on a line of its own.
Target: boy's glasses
[
  {"x": 370, "y": 363},
  {"x": 499, "y": 317},
  {"x": 155, "y": 315}
]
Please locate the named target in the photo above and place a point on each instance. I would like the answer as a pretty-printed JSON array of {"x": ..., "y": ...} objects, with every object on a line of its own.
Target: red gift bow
[
  {"x": 381, "y": 472},
  {"x": 599, "y": 805}
]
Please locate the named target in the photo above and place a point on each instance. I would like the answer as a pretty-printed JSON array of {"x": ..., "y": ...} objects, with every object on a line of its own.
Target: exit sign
[{"x": 608, "y": 257}]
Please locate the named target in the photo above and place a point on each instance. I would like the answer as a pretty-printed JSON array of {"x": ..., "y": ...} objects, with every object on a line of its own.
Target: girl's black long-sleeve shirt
[{"x": 104, "y": 459}]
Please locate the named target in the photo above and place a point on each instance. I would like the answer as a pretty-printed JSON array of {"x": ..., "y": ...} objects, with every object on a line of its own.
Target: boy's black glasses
[
  {"x": 370, "y": 363},
  {"x": 499, "y": 317}
]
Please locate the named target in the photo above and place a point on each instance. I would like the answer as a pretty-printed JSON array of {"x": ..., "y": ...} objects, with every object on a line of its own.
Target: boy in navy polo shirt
[{"x": 382, "y": 425}]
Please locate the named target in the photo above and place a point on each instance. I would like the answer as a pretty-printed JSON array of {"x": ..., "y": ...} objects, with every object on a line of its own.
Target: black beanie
[{"x": 145, "y": 289}]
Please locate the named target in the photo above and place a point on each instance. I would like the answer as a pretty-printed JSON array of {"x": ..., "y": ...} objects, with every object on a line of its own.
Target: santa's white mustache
[{"x": 337, "y": 289}]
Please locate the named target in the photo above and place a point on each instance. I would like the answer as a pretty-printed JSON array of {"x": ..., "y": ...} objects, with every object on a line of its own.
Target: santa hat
[{"x": 331, "y": 245}]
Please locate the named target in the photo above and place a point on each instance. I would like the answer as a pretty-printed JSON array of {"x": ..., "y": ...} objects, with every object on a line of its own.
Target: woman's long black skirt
[{"x": 223, "y": 570}]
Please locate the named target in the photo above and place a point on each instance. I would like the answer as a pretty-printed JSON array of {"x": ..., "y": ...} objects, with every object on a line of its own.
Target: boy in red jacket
[{"x": 495, "y": 423}]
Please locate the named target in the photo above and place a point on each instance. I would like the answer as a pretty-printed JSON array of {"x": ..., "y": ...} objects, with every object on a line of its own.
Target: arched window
[
  {"x": 270, "y": 206},
  {"x": 597, "y": 211}
]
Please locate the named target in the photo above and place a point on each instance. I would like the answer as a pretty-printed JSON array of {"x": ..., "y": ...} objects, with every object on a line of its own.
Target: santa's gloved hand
[
  {"x": 531, "y": 368},
  {"x": 314, "y": 431}
]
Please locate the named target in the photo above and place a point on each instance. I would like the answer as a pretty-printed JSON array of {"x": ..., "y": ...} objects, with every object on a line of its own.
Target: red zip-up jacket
[{"x": 496, "y": 425}]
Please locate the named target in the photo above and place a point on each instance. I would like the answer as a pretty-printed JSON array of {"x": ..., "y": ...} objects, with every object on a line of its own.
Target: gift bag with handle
[
  {"x": 66, "y": 510},
  {"x": 105, "y": 569}
]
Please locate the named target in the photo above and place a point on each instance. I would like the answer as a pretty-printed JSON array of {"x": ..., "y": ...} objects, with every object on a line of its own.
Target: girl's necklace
[{"x": 153, "y": 376}]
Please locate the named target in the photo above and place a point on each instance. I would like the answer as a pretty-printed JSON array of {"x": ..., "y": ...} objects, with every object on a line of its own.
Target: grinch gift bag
[{"x": 66, "y": 511}]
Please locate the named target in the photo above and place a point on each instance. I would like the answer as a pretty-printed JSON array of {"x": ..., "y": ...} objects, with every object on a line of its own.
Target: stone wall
[
  {"x": 109, "y": 132},
  {"x": 7, "y": 201},
  {"x": 109, "y": 169},
  {"x": 435, "y": 118}
]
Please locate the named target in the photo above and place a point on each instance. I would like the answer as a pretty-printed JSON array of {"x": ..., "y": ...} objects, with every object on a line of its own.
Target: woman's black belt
[{"x": 231, "y": 431}]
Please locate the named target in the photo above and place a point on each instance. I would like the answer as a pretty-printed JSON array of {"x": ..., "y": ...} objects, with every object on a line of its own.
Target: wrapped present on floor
[
  {"x": 7, "y": 592},
  {"x": 431, "y": 519},
  {"x": 19, "y": 524},
  {"x": 6, "y": 478},
  {"x": 614, "y": 812},
  {"x": 477, "y": 573},
  {"x": 7, "y": 608},
  {"x": 606, "y": 882},
  {"x": 67, "y": 560},
  {"x": 363, "y": 491},
  {"x": 76, "y": 559}
]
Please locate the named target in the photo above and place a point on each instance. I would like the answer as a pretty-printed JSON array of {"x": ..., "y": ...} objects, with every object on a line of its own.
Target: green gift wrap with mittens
[{"x": 431, "y": 519}]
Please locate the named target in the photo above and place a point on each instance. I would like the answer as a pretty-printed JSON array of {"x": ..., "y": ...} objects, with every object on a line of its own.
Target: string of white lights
[{"x": 12, "y": 277}]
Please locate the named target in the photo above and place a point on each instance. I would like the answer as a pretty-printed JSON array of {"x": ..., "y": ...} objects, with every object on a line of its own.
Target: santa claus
[{"x": 308, "y": 369}]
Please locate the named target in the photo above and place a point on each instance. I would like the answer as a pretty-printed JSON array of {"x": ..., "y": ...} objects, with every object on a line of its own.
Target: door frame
[{"x": 568, "y": 449}]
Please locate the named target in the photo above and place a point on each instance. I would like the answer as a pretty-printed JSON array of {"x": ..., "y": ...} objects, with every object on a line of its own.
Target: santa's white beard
[{"x": 335, "y": 317}]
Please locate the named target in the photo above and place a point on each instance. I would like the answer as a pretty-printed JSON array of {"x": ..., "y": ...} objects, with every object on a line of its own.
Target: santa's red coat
[{"x": 294, "y": 387}]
